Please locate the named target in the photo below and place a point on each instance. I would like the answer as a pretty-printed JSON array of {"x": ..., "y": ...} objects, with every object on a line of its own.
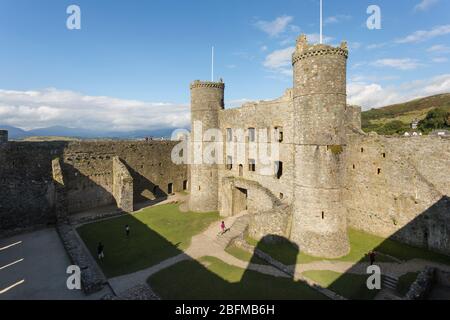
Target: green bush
[{"x": 436, "y": 119}]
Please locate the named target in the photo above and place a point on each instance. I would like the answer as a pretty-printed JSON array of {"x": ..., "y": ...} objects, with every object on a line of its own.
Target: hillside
[{"x": 376, "y": 119}]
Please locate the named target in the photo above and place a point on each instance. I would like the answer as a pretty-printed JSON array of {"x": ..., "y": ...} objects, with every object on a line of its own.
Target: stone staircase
[
  {"x": 236, "y": 230},
  {"x": 389, "y": 282},
  {"x": 388, "y": 289}
]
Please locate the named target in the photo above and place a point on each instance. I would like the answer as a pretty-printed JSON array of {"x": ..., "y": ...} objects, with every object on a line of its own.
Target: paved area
[{"x": 33, "y": 267}]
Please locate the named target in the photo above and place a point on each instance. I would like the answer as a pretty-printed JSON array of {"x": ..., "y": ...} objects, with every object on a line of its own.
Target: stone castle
[{"x": 329, "y": 177}]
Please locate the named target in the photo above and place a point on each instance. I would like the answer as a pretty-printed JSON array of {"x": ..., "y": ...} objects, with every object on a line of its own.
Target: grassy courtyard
[
  {"x": 161, "y": 232},
  {"x": 157, "y": 233},
  {"x": 218, "y": 280}
]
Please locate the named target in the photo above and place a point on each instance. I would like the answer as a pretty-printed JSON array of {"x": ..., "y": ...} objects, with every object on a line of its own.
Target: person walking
[
  {"x": 222, "y": 227},
  {"x": 127, "y": 231},
  {"x": 100, "y": 251},
  {"x": 372, "y": 257}
]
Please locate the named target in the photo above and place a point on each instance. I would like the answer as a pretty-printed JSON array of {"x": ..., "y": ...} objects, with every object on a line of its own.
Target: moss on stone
[{"x": 336, "y": 149}]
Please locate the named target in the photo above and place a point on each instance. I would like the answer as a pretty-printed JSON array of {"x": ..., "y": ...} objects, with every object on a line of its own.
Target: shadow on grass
[
  {"x": 422, "y": 238},
  {"x": 212, "y": 279},
  {"x": 416, "y": 240},
  {"x": 158, "y": 235},
  {"x": 167, "y": 232}
]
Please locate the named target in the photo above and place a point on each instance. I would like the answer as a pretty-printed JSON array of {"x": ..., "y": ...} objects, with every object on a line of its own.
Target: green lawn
[
  {"x": 244, "y": 255},
  {"x": 361, "y": 243},
  {"x": 217, "y": 281},
  {"x": 157, "y": 233},
  {"x": 350, "y": 286}
]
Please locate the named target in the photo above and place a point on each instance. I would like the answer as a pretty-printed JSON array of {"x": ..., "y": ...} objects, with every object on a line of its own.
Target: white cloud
[
  {"x": 425, "y": 5},
  {"x": 280, "y": 61},
  {"x": 439, "y": 49},
  {"x": 440, "y": 60},
  {"x": 275, "y": 27},
  {"x": 400, "y": 64},
  {"x": 375, "y": 46},
  {"x": 336, "y": 19},
  {"x": 315, "y": 38},
  {"x": 354, "y": 45},
  {"x": 374, "y": 95},
  {"x": 50, "y": 107},
  {"x": 423, "y": 35},
  {"x": 279, "y": 58}
]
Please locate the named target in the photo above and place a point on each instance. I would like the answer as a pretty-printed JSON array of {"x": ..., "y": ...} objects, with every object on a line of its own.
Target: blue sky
[{"x": 131, "y": 63}]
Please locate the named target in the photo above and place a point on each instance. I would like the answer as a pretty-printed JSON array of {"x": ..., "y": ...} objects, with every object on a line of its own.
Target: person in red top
[{"x": 222, "y": 227}]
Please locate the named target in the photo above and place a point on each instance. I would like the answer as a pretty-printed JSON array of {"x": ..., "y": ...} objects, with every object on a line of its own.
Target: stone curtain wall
[
  {"x": 89, "y": 168},
  {"x": 263, "y": 115},
  {"x": 27, "y": 196},
  {"x": 400, "y": 187},
  {"x": 27, "y": 191},
  {"x": 122, "y": 186}
]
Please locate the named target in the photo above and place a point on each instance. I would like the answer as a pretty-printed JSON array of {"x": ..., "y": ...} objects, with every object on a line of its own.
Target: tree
[{"x": 435, "y": 119}]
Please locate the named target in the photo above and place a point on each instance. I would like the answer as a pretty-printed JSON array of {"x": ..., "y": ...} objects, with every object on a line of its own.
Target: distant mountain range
[{"x": 60, "y": 131}]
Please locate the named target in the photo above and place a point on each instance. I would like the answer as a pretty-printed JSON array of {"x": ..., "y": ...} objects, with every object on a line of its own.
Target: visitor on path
[
  {"x": 127, "y": 231},
  {"x": 100, "y": 252},
  {"x": 222, "y": 227},
  {"x": 372, "y": 257}
]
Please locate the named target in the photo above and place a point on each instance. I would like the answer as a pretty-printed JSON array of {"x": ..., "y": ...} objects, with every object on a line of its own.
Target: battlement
[
  {"x": 207, "y": 84},
  {"x": 305, "y": 50}
]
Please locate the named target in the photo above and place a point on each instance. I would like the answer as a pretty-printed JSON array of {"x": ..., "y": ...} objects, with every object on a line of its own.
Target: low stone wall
[
  {"x": 92, "y": 280},
  {"x": 420, "y": 289},
  {"x": 274, "y": 222}
]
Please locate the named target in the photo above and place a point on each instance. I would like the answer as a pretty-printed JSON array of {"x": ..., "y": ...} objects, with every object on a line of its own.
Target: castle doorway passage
[{"x": 240, "y": 197}]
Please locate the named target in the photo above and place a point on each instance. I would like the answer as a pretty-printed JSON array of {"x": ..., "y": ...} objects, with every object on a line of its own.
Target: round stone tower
[
  {"x": 319, "y": 221},
  {"x": 3, "y": 136},
  {"x": 207, "y": 99}
]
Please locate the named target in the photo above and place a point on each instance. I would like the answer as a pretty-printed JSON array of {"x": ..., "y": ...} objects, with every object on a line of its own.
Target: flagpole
[
  {"x": 321, "y": 22},
  {"x": 212, "y": 64}
]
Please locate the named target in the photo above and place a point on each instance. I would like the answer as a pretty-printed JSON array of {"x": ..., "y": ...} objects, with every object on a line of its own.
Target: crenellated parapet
[
  {"x": 305, "y": 50},
  {"x": 207, "y": 84}
]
